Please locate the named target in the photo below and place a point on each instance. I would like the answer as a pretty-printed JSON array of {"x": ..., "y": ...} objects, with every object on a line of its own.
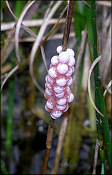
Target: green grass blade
[
  {"x": 3, "y": 169},
  {"x": 10, "y": 117},
  {"x": 99, "y": 99}
]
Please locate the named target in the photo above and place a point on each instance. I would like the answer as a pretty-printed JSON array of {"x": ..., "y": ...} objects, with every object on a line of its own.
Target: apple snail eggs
[{"x": 58, "y": 80}]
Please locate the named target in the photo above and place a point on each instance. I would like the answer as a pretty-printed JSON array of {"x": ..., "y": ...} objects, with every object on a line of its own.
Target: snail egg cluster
[{"x": 58, "y": 80}]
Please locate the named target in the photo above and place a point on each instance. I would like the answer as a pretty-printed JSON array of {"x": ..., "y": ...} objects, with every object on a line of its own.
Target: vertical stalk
[
  {"x": 51, "y": 123},
  {"x": 9, "y": 120},
  {"x": 68, "y": 24},
  {"x": 99, "y": 99},
  {"x": 48, "y": 145}
]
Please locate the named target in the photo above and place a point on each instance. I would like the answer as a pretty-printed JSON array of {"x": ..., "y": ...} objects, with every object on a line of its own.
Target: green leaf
[{"x": 99, "y": 98}]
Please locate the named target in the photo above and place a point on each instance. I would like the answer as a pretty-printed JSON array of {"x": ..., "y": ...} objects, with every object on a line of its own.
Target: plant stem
[
  {"x": 48, "y": 145},
  {"x": 68, "y": 24},
  {"x": 9, "y": 119},
  {"x": 99, "y": 99},
  {"x": 51, "y": 123}
]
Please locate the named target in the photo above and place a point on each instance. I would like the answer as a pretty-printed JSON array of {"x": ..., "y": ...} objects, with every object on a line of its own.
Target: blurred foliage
[
  {"x": 2, "y": 5},
  {"x": 79, "y": 19}
]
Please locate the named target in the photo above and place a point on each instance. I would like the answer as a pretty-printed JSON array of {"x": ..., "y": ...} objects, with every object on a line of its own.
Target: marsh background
[{"x": 24, "y": 121}]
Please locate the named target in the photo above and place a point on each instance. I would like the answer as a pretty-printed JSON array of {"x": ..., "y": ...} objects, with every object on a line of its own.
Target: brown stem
[
  {"x": 85, "y": 3},
  {"x": 6, "y": 43},
  {"x": 68, "y": 24},
  {"x": 95, "y": 157},
  {"x": 48, "y": 145}
]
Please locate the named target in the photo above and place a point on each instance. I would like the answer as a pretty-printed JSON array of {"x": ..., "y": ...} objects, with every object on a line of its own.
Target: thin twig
[
  {"x": 43, "y": 57},
  {"x": 68, "y": 25},
  {"x": 54, "y": 37},
  {"x": 85, "y": 3},
  {"x": 30, "y": 23},
  {"x": 96, "y": 156},
  {"x": 109, "y": 84},
  {"x": 22, "y": 25},
  {"x": 6, "y": 43},
  {"x": 6, "y": 68},
  {"x": 49, "y": 34},
  {"x": 48, "y": 145},
  {"x": 104, "y": 3}
]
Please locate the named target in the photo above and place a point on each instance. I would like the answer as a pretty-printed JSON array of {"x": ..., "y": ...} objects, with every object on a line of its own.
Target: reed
[
  {"x": 103, "y": 132},
  {"x": 9, "y": 119}
]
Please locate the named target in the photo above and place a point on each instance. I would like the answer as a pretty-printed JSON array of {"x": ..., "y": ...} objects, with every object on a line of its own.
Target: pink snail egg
[
  {"x": 55, "y": 114},
  {"x": 62, "y": 68},
  {"x": 61, "y": 81},
  {"x": 67, "y": 89},
  {"x": 61, "y": 107},
  {"x": 54, "y": 60},
  {"x": 47, "y": 109},
  {"x": 69, "y": 97},
  {"x": 71, "y": 61},
  {"x": 71, "y": 52},
  {"x": 48, "y": 85},
  {"x": 46, "y": 78},
  {"x": 73, "y": 69},
  {"x": 46, "y": 96},
  {"x": 53, "y": 72},
  {"x": 59, "y": 49},
  {"x": 61, "y": 101},
  {"x": 50, "y": 103},
  {"x": 69, "y": 81},
  {"x": 63, "y": 57},
  {"x": 69, "y": 72},
  {"x": 49, "y": 92},
  {"x": 50, "y": 79},
  {"x": 58, "y": 89},
  {"x": 66, "y": 109},
  {"x": 59, "y": 95}
]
